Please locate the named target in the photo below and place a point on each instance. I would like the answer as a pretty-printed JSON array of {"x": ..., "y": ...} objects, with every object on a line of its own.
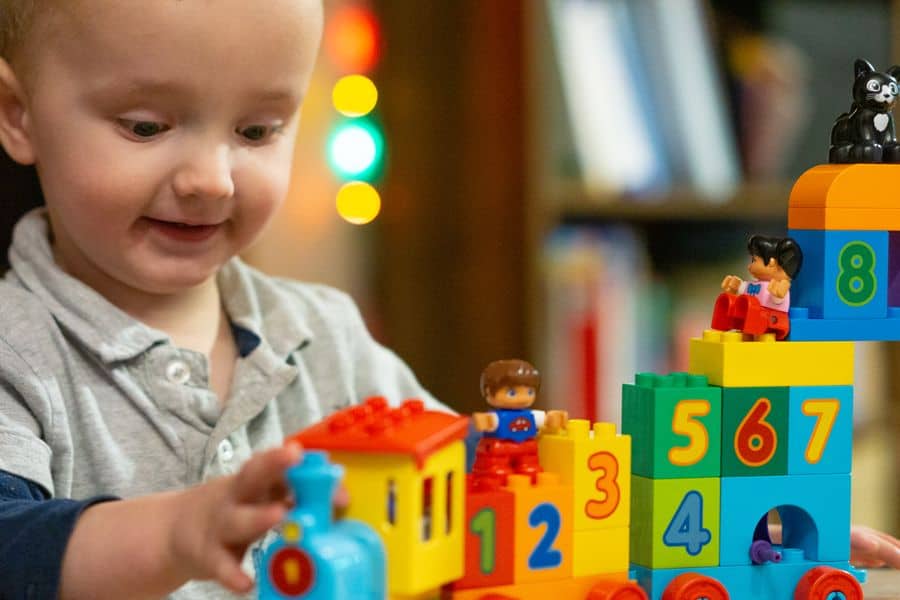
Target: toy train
[{"x": 758, "y": 429}]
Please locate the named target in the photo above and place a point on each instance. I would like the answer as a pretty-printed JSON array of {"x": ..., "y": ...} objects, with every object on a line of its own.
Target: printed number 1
[
  {"x": 686, "y": 527},
  {"x": 484, "y": 525}
]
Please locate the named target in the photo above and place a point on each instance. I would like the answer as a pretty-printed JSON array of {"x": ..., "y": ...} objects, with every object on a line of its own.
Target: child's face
[{"x": 163, "y": 131}]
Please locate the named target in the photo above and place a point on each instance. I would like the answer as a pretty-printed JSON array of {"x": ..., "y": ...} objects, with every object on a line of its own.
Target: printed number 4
[{"x": 686, "y": 527}]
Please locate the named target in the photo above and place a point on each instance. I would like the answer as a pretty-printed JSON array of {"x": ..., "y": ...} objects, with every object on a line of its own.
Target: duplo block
[{"x": 675, "y": 425}]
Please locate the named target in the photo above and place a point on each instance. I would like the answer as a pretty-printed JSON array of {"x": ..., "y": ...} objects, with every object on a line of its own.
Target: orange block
[
  {"x": 490, "y": 539},
  {"x": 846, "y": 197},
  {"x": 543, "y": 524},
  {"x": 601, "y": 587}
]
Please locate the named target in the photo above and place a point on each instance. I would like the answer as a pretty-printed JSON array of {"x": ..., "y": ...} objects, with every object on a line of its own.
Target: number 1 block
[
  {"x": 489, "y": 539},
  {"x": 675, "y": 522}
]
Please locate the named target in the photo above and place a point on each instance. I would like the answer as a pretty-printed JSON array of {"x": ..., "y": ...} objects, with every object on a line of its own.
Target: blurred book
[
  {"x": 605, "y": 319},
  {"x": 607, "y": 94},
  {"x": 644, "y": 97}
]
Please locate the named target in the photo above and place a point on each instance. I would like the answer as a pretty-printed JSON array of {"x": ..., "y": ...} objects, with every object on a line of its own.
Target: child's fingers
[
  {"x": 263, "y": 475},
  {"x": 244, "y": 523},
  {"x": 227, "y": 571}
]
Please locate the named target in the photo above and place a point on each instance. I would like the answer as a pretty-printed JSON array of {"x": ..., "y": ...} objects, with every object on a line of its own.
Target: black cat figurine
[{"x": 866, "y": 133}]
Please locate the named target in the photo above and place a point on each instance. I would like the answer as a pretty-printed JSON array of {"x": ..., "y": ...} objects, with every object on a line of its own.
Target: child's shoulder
[{"x": 27, "y": 327}]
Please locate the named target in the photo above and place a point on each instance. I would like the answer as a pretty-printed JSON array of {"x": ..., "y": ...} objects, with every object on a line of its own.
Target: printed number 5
[{"x": 684, "y": 422}]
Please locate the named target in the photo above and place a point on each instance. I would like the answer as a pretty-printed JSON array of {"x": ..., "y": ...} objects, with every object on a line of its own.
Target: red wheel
[
  {"x": 828, "y": 583},
  {"x": 693, "y": 586},
  {"x": 616, "y": 590}
]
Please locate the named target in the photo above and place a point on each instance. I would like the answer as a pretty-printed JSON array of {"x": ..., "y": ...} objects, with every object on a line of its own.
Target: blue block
[
  {"x": 807, "y": 329},
  {"x": 759, "y": 582},
  {"x": 844, "y": 274},
  {"x": 814, "y": 509},
  {"x": 821, "y": 432}
]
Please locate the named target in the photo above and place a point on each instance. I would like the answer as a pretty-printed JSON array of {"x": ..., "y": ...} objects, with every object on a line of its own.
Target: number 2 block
[
  {"x": 543, "y": 528},
  {"x": 754, "y": 431},
  {"x": 821, "y": 433},
  {"x": 675, "y": 425},
  {"x": 675, "y": 522},
  {"x": 844, "y": 274}
]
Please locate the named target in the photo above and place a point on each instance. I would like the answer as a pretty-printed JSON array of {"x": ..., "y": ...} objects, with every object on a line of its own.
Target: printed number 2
[
  {"x": 684, "y": 422},
  {"x": 826, "y": 411},
  {"x": 686, "y": 527},
  {"x": 544, "y": 555}
]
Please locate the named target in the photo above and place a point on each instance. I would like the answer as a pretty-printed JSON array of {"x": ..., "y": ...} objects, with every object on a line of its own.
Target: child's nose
[{"x": 205, "y": 175}]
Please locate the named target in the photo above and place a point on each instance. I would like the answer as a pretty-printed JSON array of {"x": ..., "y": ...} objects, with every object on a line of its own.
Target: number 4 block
[{"x": 675, "y": 522}]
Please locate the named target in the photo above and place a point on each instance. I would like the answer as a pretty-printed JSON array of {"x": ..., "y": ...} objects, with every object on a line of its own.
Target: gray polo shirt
[{"x": 94, "y": 402}]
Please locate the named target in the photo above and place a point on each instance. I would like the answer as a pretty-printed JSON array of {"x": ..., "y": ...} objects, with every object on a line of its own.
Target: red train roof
[{"x": 374, "y": 426}]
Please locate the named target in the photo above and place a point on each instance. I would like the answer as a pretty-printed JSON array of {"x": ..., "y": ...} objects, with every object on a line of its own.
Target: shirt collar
[{"x": 112, "y": 334}]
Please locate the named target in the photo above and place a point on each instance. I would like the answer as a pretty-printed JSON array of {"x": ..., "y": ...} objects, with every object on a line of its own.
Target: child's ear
[{"x": 14, "y": 134}]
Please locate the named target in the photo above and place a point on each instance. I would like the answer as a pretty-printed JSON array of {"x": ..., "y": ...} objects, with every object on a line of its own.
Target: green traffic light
[{"x": 355, "y": 149}]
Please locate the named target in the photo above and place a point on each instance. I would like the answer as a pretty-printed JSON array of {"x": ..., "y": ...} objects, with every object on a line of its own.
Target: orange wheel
[
  {"x": 693, "y": 586},
  {"x": 616, "y": 590},
  {"x": 828, "y": 583}
]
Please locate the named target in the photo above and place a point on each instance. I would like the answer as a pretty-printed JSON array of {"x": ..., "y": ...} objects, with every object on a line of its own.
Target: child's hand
[
  {"x": 217, "y": 521},
  {"x": 870, "y": 548}
]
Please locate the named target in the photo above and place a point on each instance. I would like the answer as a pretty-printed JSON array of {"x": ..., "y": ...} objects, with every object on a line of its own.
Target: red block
[{"x": 489, "y": 535}]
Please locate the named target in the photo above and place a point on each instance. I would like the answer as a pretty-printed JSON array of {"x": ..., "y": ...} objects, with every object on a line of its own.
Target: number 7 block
[{"x": 821, "y": 436}]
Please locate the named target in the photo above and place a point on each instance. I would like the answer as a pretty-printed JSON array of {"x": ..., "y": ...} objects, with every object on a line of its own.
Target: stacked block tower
[{"x": 760, "y": 431}]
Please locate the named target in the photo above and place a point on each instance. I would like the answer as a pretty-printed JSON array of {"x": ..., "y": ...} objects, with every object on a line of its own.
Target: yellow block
[
  {"x": 846, "y": 197},
  {"x": 596, "y": 462},
  {"x": 729, "y": 361},
  {"x": 424, "y": 540},
  {"x": 543, "y": 528},
  {"x": 601, "y": 551}
]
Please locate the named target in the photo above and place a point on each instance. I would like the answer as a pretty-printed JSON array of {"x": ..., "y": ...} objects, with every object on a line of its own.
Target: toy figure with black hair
[
  {"x": 508, "y": 444},
  {"x": 760, "y": 306}
]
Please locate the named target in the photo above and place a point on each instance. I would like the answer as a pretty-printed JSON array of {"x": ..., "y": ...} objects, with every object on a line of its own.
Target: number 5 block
[
  {"x": 675, "y": 522},
  {"x": 844, "y": 274},
  {"x": 675, "y": 425},
  {"x": 821, "y": 435}
]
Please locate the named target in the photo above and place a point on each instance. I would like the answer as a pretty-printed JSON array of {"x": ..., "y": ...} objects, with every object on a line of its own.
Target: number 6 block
[
  {"x": 754, "y": 431},
  {"x": 675, "y": 522},
  {"x": 844, "y": 274}
]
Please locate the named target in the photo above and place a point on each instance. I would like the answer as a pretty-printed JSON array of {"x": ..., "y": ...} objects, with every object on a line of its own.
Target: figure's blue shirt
[{"x": 514, "y": 424}]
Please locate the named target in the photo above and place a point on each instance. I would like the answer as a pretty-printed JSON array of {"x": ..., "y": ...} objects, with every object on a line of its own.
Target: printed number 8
[{"x": 856, "y": 282}]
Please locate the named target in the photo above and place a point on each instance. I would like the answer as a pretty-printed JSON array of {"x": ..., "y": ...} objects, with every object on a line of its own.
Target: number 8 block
[{"x": 844, "y": 274}]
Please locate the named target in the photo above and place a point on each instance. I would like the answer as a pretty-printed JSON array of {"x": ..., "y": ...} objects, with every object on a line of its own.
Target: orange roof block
[
  {"x": 374, "y": 426},
  {"x": 846, "y": 197}
]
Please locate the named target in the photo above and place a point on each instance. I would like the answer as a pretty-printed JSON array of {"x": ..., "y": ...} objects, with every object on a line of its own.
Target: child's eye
[
  {"x": 144, "y": 129},
  {"x": 511, "y": 392},
  {"x": 257, "y": 133}
]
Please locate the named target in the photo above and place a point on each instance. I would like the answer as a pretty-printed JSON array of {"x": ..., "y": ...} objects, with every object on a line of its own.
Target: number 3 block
[
  {"x": 844, "y": 274},
  {"x": 675, "y": 425},
  {"x": 675, "y": 522}
]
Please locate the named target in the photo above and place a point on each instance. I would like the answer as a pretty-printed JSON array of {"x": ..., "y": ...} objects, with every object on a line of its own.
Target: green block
[
  {"x": 675, "y": 425},
  {"x": 755, "y": 431},
  {"x": 675, "y": 522}
]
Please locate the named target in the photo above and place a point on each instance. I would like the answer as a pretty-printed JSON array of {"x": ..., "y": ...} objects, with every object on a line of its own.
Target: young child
[{"x": 139, "y": 358}]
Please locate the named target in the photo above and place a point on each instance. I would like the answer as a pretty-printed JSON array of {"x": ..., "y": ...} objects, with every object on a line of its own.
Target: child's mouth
[{"x": 182, "y": 232}]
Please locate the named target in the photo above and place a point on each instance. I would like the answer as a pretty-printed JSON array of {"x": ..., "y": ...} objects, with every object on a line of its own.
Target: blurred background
[{"x": 567, "y": 181}]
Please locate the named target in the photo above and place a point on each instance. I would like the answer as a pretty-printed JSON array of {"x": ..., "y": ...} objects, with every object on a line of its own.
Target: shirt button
[
  {"x": 226, "y": 451},
  {"x": 178, "y": 372}
]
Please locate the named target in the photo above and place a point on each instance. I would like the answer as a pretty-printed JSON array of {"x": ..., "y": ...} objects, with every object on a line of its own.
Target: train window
[
  {"x": 448, "y": 504},
  {"x": 391, "y": 502},
  {"x": 427, "y": 496}
]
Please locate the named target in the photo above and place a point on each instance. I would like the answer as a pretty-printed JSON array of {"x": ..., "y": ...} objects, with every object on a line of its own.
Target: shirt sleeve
[
  {"x": 36, "y": 530},
  {"x": 378, "y": 371}
]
